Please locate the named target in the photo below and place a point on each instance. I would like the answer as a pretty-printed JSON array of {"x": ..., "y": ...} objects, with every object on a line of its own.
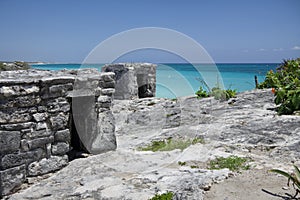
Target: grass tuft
[
  {"x": 234, "y": 163},
  {"x": 171, "y": 144}
]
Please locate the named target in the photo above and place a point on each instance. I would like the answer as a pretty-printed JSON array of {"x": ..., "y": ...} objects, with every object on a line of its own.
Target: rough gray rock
[
  {"x": 246, "y": 126},
  {"x": 36, "y": 119},
  {"x": 47, "y": 165},
  {"x": 133, "y": 80}
]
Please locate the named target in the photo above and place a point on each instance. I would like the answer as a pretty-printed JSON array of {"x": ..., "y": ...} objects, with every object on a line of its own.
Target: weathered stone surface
[
  {"x": 32, "y": 134},
  {"x": 59, "y": 121},
  {"x": 11, "y": 179},
  {"x": 247, "y": 127},
  {"x": 96, "y": 130},
  {"x": 60, "y": 148},
  {"x": 16, "y": 159},
  {"x": 17, "y": 127},
  {"x": 16, "y": 90},
  {"x": 27, "y": 145},
  {"x": 105, "y": 139},
  {"x": 9, "y": 141},
  {"x": 58, "y": 105},
  {"x": 135, "y": 80},
  {"x": 35, "y": 116},
  {"x": 14, "y": 116},
  {"x": 40, "y": 116},
  {"x": 62, "y": 136},
  {"x": 20, "y": 101},
  {"x": 47, "y": 165},
  {"x": 108, "y": 91}
]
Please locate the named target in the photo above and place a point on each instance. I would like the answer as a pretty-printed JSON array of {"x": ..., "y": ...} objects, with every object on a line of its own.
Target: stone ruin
[
  {"x": 47, "y": 115},
  {"x": 133, "y": 80}
]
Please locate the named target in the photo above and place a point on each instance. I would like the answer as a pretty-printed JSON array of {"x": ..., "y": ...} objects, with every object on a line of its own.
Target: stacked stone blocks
[{"x": 35, "y": 120}]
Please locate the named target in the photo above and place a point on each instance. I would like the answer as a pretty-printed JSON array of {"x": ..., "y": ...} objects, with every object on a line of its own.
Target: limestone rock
[{"x": 47, "y": 165}]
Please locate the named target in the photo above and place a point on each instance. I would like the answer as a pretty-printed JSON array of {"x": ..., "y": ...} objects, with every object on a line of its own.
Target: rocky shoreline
[{"x": 246, "y": 126}]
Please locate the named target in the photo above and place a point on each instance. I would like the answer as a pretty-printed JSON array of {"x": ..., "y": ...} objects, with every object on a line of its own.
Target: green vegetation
[
  {"x": 285, "y": 84},
  {"x": 2, "y": 67},
  {"x": 294, "y": 177},
  {"x": 223, "y": 95},
  {"x": 171, "y": 144},
  {"x": 216, "y": 92},
  {"x": 201, "y": 93},
  {"x": 181, "y": 163},
  {"x": 164, "y": 196},
  {"x": 234, "y": 163},
  {"x": 194, "y": 166}
]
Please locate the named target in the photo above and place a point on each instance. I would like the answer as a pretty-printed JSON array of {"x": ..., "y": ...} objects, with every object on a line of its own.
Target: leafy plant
[
  {"x": 164, "y": 196},
  {"x": 294, "y": 177},
  {"x": 171, "y": 144},
  {"x": 285, "y": 84},
  {"x": 217, "y": 93},
  {"x": 201, "y": 93},
  {"x": 234, "y": 163}
]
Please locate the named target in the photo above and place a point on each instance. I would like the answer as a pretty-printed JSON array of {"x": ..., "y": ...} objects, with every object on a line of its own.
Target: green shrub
[
  {"x": 164, "y": 196},
  {"x": 285, "y": 84},
  {"x": 234, "y": 163},
  {"x": 217, "y": 93},
  {"x": 201, "y": 93}
]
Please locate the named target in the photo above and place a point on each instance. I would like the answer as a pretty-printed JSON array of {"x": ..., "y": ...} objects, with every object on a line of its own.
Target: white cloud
[
  {"x": 296, "y": 48},
  {"x": 261, "y": 49},
  {"x": 280, "y": 49},
  {"x": 246, "y": 50}
]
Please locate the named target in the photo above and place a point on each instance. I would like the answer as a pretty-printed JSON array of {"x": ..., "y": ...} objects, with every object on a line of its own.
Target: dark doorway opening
[{"x": 77, "y": 148}]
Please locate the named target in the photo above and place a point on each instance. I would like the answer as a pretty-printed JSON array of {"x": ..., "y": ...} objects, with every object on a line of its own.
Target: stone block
[
  {"x": 12, "y": 116},
  {"x": 108, "y": 91},
  {"x": 41, "y": 126},
  {"x": 110, "y": 84},
  {"x": 38, "y": 117},
  {"x": 59, "y": 121},
  {"x": 60, "y": 148},
  {"x": 58, "y": 105},
  {"x": 9, "y": 141},
  {"x": 17, "y": 159},
  {"x": 33, "y": 134},
  {"x": 11, "y": 179},
  {"x": 45, "y": 165},
  {"x": 55, "y": 90},
  {"x": 108, "y": 76},
  {"x": 105, "y": 139},
  {"x": 18, "y": 126},
  {"x": 27, "y": 145},
  {"x": 62, "y": 136},
  {"x": 18, "y": 90}
]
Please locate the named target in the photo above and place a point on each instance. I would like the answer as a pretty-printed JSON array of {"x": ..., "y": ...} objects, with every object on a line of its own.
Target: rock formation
[
  {"x": 246, "y": 126},
  {"x": 133, "y": 80},
  {"x": 45, "y": 114}
]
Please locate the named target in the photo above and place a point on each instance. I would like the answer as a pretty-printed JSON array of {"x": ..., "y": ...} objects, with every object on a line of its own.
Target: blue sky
[{"x": 66, "y": 31}]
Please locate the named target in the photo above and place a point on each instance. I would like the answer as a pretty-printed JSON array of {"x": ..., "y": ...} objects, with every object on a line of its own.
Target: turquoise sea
[{"x": 177, "y": 79}]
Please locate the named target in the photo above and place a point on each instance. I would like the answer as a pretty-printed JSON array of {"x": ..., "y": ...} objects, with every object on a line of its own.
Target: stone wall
[
  {"x": 133, "y": 80},
  {"x": 40, "y": 114}
]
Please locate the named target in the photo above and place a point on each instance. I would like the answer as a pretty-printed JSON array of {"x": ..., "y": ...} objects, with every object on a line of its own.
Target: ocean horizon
[{"x": 184, "y": 79}]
